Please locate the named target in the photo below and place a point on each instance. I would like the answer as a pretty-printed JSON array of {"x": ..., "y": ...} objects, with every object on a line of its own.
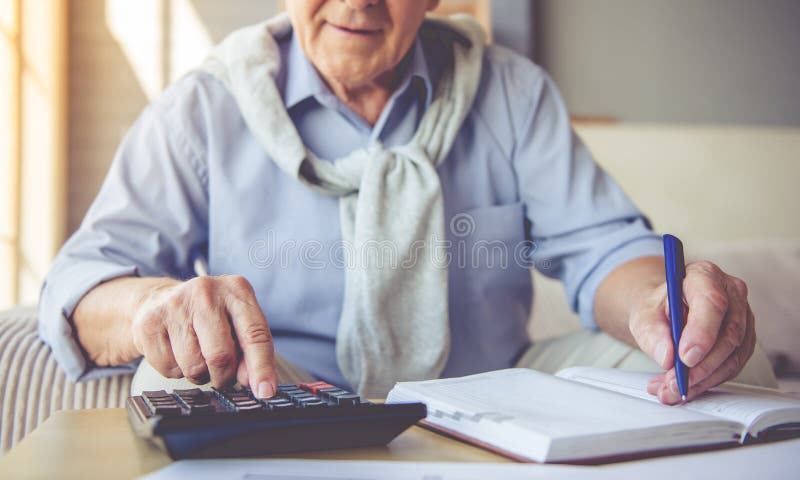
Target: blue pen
[{"x": 676, "y": 272}]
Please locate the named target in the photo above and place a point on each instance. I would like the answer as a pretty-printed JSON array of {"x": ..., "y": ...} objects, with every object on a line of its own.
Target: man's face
[{"x": 354, "y": 42}]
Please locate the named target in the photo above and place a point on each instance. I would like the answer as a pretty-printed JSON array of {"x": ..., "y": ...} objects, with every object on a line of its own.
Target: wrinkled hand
[
  {"x": 207, "y": 328},
  {"x": 718, "y": 338}
]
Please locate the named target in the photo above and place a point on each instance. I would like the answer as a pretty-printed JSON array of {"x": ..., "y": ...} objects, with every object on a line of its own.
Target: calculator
[{"x": 232, "y": 422}]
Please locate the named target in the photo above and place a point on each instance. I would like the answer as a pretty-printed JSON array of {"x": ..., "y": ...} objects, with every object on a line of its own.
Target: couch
[{"x": 32, "y": 386}]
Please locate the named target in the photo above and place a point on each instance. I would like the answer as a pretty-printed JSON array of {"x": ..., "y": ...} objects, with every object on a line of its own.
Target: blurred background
[{"x": 692, "y": 104}]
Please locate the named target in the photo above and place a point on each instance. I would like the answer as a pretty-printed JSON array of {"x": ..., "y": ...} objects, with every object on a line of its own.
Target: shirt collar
[{"x": 303, "y": 81}]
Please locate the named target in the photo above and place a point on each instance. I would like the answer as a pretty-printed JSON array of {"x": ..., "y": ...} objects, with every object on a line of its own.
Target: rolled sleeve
[
  {"x": 583, "y": 225},
  {"x": 149, "y": 219},
  {"x": 634, "y": 245},
  {"x": 58, "y": 301}
]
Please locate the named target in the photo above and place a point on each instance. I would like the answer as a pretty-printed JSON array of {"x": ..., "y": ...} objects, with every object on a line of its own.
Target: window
[{"x": 32, "y": 143}]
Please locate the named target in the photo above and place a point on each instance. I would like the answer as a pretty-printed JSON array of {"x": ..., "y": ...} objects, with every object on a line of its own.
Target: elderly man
[{"x": 360, "y": 180}]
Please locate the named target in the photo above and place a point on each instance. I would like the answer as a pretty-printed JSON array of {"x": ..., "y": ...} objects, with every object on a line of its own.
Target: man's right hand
[{"x": 207, "y": 329}]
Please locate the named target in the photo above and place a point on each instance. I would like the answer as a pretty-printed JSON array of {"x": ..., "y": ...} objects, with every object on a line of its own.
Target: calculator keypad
[
  {"x": 233, "y": 423},
  {"x": 194, "y": 401}
]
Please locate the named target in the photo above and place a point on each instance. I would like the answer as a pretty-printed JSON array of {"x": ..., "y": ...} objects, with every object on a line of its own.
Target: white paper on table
[
  {"x": 356, "y": 470},
  {"x": 779, "y": 460}
]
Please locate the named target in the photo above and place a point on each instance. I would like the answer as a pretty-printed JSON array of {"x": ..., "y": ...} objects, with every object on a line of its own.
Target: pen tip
[{"x": 683, "y": 397}]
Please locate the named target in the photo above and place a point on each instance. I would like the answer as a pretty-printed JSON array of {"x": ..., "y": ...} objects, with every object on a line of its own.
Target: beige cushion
[
  {"x": 32, "y": 387},
  {"x": 551, "y": 316}
]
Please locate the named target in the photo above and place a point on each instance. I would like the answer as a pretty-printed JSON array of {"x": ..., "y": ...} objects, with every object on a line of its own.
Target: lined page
[
  {"x": 755, "y": 408},
  {"x": 537, "y": 410}
]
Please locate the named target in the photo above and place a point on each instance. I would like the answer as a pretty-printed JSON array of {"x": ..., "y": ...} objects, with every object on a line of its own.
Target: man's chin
[{"x": 351, "y": 72}]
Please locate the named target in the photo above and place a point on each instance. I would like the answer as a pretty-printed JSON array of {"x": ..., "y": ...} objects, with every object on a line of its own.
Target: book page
[
  {"x": 754, "y": 407},
  {"x": 552, "y": 405},
  {"x": 538, "y": 410}
]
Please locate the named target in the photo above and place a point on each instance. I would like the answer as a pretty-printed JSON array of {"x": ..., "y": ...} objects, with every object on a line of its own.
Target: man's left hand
[{"x": 718, "y": 338}]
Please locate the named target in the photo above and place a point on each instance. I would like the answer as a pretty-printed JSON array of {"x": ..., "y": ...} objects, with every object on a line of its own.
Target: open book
[{"x": 593, "y": 414}]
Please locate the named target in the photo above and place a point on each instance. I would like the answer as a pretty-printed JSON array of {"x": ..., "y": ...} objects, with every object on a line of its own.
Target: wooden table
[{"x": 100, "y": 443}]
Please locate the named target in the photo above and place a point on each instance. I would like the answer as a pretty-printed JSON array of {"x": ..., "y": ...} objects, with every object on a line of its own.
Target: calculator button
[
  {"x": 279, "y": 405},
  {"x": 167, "y": 410},
  {"x": 161, "y": 403},
  {"x": 201, "y": 409},
  {"x": 301, "y": 396},
  {"x": 349, "y": 400},
  {"x": 155, "y": 393},
  {"x": 311, "y": 398},
  {"x": 189, "y": 392},
  {"x": 325, "y": 393},
  {"x": 292, "y": 393},
  {"x": 294, "y": 390},
  {"x": 248, "y": 408},
  {"x": 308, "y": 386},
  {"x": 316, "y": 386},
  {"x": 192, "y": 397}
]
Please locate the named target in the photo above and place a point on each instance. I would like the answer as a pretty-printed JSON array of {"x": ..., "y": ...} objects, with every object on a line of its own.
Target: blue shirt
[{"x": 189, "y": 179}]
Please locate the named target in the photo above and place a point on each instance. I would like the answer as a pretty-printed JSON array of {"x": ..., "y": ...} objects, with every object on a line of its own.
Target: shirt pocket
[{"x": 490, "y": 254}]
